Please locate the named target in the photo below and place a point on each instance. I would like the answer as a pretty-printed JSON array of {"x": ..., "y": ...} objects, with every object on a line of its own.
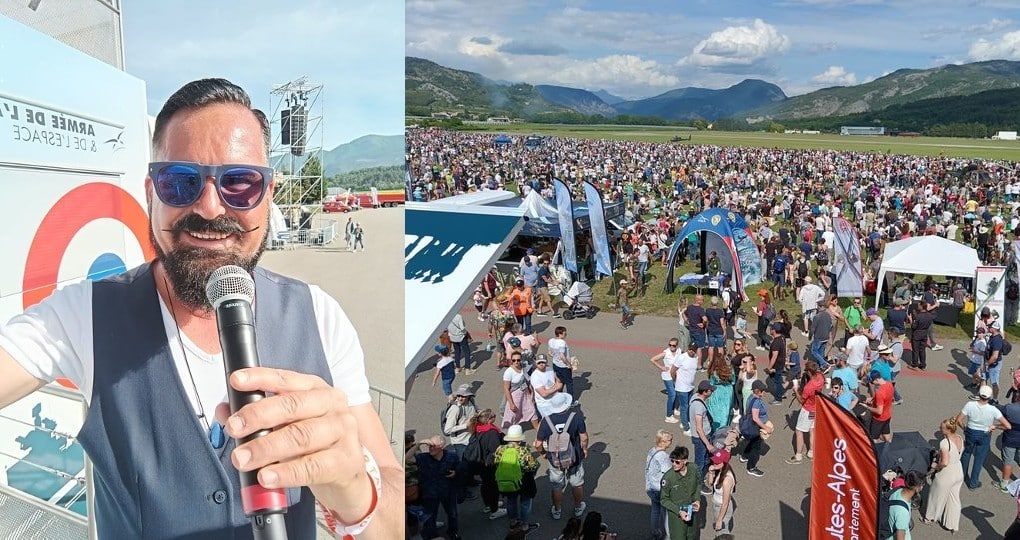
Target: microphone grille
[{"x": 229, "y": 282}]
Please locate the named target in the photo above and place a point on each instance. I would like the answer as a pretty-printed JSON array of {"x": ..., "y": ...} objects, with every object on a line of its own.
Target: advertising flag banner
[
  {"x": 989, "y": 291},
  {"x": 847, "y": 262},
  {"x": 599, "y": 236},
  {"x": 844, "y": 479},
  {"x": 565, "y": 211}
]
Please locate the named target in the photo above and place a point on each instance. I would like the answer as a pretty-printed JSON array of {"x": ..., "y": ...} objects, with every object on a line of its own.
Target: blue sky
[
  {"x": 356, "y": 49},
  {"x": 645, "y": 47}
]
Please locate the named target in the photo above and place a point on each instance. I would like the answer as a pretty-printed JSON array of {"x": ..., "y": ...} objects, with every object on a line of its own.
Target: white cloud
[
  {"x": 1006, "y": 47},
  {"x": 738, "y": 46},
  {"x": 835, "y": 76},
  {"x": 611, "y": 71},
  {"x": 993, "y": 25}
]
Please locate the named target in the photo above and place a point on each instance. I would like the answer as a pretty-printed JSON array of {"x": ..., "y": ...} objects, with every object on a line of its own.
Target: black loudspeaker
[
  {"x": 298, "y": 123},
  {"x": 285, "y": 127}
]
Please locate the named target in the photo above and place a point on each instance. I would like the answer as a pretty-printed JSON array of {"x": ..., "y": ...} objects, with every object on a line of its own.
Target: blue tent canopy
[
  {"x": 502, "y": 140},
  {"x": 730, "y": 238}
]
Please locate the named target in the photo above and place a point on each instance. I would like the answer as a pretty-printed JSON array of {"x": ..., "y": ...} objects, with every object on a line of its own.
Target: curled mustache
[{"x": 198, "y": 224}]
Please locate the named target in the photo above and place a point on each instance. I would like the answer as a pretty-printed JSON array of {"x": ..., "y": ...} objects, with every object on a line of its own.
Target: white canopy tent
[{"x": 931, "y": 255}]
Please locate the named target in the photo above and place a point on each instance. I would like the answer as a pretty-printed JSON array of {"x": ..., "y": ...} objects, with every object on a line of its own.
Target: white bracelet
[{"x": 347, "y": 532}]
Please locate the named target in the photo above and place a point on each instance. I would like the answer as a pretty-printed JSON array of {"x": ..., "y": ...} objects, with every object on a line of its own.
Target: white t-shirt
[
  {"x": 53, "y": 339},
  {"x": 668, "y": 360},
  {"x": 686, "y": 367},
  {"x": 856, "y": 349},
  {"x": 981, "y": 417},
  {"x": 559, "y": 351},
  {"x": 513, "y": 376},
  {"x": 540, "y": 379}
]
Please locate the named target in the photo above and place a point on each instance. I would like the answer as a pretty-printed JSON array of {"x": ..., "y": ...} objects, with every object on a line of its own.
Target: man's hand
[{"x": 314, "y": 441}]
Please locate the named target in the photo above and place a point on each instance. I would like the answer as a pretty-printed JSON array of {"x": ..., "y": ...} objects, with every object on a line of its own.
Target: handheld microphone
[{"x": 231, "y": 290}]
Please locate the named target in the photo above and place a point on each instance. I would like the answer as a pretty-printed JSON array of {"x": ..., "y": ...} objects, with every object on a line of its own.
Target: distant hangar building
[{"x": 861, "y": 130}]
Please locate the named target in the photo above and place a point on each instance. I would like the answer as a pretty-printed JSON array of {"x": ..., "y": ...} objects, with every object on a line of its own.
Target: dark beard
[{"x": 189, "y": 268}]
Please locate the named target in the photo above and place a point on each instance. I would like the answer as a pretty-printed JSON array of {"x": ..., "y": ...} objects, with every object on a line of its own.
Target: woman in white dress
[{"x": 944, "y": 495}]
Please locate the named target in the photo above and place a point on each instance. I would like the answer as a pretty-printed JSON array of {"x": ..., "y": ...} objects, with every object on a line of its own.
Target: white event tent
[{"x": 930, "y": 255}]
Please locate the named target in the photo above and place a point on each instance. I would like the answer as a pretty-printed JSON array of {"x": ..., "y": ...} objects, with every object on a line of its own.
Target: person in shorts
[
  {"x": 814, "y": 384},
  {"x": 880, "y": 407},
  {"x": 621, "y": 300},
  {"x": 573, "y": 477}
]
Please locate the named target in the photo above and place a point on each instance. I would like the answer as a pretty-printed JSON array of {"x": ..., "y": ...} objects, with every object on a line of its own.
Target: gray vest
[{"x": 156, "y": 474}]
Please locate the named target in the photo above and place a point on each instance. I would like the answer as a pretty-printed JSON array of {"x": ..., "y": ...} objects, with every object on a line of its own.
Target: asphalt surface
[
  {"x": 623, "y": 400},
  {"x": 369, "y": 285}
]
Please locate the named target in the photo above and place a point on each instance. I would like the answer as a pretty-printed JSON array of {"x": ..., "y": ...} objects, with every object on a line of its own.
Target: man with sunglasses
[
  {"x": 144, "y": 349},
  {"x": 679, "y": 495}
]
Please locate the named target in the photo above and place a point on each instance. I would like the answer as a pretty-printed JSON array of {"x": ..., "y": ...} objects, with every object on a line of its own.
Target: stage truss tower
[{"x": 296, "y": 120}]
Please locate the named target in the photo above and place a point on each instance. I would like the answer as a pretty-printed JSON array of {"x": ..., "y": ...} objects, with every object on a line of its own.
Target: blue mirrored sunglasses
[{"x": 180, "y": 183}]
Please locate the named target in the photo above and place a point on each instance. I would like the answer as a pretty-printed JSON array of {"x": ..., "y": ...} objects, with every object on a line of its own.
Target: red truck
[{"x": 356, "y": 201}]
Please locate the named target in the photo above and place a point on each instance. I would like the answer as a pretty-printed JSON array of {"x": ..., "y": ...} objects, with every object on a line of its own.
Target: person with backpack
[
  {"x": 515, "y": 468},
  {"x": 701, "y": 425},
  {"x": 779, "y": 264},
  {"x": 563, "y": 438},
  {"x": 656, "y": 465},
  {"x": 485, "y": 439},
  {"x": 754, "y": 427},
  {"x": 898, "y": 523},
  {"x": 454, "y": 422}
]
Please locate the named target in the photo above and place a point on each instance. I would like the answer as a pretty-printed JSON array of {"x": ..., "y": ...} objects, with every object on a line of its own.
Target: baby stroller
[{"x": 578, "y": 299}]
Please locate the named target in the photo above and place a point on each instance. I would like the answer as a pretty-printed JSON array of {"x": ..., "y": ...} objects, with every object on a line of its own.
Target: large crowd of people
[{"x": 717, "y": 392}]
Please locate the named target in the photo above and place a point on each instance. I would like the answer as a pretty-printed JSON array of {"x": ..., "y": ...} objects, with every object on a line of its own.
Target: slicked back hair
[{"x": 205, "y": 92}]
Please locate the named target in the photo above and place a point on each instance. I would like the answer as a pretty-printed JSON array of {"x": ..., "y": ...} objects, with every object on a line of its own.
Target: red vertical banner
[{"x": 844, "y": 477}]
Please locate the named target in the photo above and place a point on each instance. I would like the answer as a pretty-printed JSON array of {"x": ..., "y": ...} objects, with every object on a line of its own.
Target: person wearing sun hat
[
  {"x": 721, "y": 480},
  {"x": 519, "y": 495}
]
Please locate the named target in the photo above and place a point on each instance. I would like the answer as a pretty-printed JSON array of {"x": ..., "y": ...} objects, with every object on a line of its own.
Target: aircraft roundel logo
[{"x": 78, "y": 208}]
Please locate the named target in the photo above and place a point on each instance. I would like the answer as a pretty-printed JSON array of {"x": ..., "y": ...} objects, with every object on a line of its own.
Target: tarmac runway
[
  {"x": 623, "y": 400},
  {"x": 369, "y": 285}
]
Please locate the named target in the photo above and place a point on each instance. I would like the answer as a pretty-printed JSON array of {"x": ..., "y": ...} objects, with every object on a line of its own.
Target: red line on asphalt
[{"x": 624, "y": 347}]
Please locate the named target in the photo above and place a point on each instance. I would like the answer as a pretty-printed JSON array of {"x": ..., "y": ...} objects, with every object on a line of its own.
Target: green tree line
[{"x": 391, "y": 177}]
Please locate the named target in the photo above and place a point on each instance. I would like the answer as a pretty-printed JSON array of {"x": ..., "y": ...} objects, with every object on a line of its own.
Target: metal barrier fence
[
  {"x": 323, "y": 232},
  {"x": 25, "y": 516}
]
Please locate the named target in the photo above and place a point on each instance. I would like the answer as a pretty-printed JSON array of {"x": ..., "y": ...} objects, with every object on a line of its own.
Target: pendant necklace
[{"x": 217, "y": 437}]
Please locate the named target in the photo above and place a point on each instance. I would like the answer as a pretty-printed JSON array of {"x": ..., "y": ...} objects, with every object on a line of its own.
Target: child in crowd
[
  {"x": 479, "y": 300},
  {"x": 740, "y": 325},
  {"x": 977, "y": 358},
  {"x": 793, "y": 362}
]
